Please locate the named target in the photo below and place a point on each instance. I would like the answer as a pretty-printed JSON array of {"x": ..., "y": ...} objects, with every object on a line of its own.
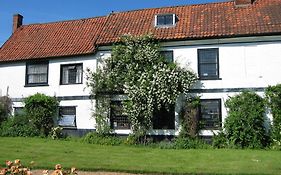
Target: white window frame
[{"x": 168, "y": 25}]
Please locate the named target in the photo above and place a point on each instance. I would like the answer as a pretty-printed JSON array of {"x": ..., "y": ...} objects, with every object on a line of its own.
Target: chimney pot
[
  {"x": 243, "y": 2},
  {"x": 17, "y": 21}
]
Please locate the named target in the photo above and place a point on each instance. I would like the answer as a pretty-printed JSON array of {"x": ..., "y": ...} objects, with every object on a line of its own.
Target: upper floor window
[
  {"x": 37, "y": 73},
  {"x": 71, "y": 74},
  {"x": 165, "y": 20},
  {"x": 208, "y": 64},
  {"x": 67, "y": 116},
  {"x": 168, "y": 54},
  {"x": 210, "y": 113}
]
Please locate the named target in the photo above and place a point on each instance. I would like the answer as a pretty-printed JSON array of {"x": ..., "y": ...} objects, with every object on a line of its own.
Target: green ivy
[
  {"x": 245, "y": 123},
  {"x": 5, "y": 108},
  {"x": 273, "y": 98},
  {"x": 137, "y": 69},
  {"x": 190, "y": 118}
]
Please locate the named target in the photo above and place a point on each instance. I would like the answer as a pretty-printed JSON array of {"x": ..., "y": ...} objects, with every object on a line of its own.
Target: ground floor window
[
  {"x": 118, "y": 119},
  {"x": 210, "y": 114},
  {"x": 18, "y": 111},
  {"x": 67, "y": 116},
  {"x": 164, "y": 118}
]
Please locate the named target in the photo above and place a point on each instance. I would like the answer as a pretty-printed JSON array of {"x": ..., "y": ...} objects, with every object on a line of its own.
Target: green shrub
[
  {"x": 273, "y": 98},
  {"x": 219, "y": 140},
  {"x": 42, "y": 111},
  {"x": 100, "y": 139},
  {"x": 190, "y": 143},
  {"x": 245, "y": 123},
  {"x": 18, "y": 125},
  {"x": 56, "y": 133}
]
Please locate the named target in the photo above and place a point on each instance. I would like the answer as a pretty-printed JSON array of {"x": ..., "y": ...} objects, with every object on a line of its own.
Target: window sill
[
  {"x": 35, "y": 85},
  {"x": 203, "y": 79},
  {"x": 165, "y": 26},
  {"x": 71, "y": 84},
  {"x": 69, "y": 127}
]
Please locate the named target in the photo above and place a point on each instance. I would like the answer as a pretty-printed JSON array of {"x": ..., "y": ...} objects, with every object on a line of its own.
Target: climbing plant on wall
[{"x": 137, "y": 69}]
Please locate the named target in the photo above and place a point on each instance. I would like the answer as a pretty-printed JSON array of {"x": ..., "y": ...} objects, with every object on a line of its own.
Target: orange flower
[
  {"x": 73, "y": 170},
  {"x": 17, "y": 161},
  {"x": 58, "y": 167},
  {"x": 9, "y": 163},
  {"x": 45, "y": 172}
]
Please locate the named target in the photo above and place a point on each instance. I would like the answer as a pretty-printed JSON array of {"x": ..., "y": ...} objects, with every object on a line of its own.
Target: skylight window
[{"x": 165, "y": 20}]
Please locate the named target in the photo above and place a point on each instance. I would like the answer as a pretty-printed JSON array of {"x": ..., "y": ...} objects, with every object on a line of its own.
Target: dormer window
[{"x": 165, "y": 20}]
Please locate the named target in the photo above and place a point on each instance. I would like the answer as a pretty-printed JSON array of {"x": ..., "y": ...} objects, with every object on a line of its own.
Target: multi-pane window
[
  {"x": 37, "y": 73},
  {"x": 164, "y": 118},
  {"x": 208, "y": 63},
  {"x": 169, "y": 55},
  {"x": 67, "y": 116},
  {"x": 71, "y": 74},
  {"x": 210, "y": 114},
  {"x": 118, "y": 119},
  {"x": 165, "y": 20}
]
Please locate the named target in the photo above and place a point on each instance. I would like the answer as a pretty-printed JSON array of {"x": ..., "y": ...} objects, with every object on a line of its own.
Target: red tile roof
[
  {"x": 214, "y": 20},
  {"x": 52, "y": 39}
]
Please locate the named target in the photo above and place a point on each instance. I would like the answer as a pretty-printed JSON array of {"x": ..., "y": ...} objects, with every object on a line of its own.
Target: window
[
  {"x": 37, "y": 73},
  {"x": 210, "y": 114},
  {"x": 169, "y": 55},
  {"x": 164, "y": 119},
  {"x": 165, "y": 20},
  {"x": 71, "y": 74},
  {"x": 67, "y": 116},
  {"x": 118, "y": 120},
  {"x": 18, "y": 111},
  {"x": 208, "y": 64}
]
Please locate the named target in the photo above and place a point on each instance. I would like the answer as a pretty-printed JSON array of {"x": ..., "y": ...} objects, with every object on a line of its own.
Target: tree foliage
[
  {"x": 137, "y": 68},
  {"x": 42, "y": 111},
  {"x": 5, "y": 107},
  {"x": 273, "y": 98},
  {"x": 245, "y": 123}
]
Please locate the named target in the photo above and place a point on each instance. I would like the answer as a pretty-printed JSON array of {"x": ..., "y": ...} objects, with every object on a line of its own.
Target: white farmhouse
[{"x": 232, "y": 46}]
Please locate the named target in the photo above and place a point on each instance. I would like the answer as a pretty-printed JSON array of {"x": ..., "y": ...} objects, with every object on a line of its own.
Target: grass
[{"x": 46, "y": 153}]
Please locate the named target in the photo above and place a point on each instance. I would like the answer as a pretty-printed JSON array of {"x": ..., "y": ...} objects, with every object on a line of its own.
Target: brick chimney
[
  {"x": 243, "y": 2},
  {"x": 17, "y": 21}
]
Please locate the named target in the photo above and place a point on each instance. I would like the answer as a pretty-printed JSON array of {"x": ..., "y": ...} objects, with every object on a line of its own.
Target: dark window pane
[
  {"x": 160, "y": 20},
  {"x": 169, "y": 55},
  {"x": 168, "y": 19},
  {"x": 165, "y": 20},
  {"x": 208, "y": 63},
  {"x": 208, "y": 70},
  {"x": 164, "y": 119},
  {"x": 71, "y": 74},
  {"x": 210, "y": 114},
  {"x": 118, "y": 119},
  {"x": 18, "y": 110}
]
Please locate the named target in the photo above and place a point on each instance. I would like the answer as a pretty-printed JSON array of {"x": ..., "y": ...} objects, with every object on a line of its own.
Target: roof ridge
[
  {"x": 127, "y": 11},
  {"x": 64, "y": 21},
  {"x": 190, "y": 5}
]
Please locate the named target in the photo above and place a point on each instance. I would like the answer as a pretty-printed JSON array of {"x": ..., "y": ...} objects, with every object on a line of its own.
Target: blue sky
[{"x": 38, "y": 11}]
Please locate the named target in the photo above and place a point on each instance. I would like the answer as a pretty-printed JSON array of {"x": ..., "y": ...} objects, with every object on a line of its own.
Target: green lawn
[{"x": 46, "y": 153}]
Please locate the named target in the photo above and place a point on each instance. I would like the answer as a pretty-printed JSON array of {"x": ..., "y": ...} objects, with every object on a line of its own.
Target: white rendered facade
[{"x": 249, "y": 63}]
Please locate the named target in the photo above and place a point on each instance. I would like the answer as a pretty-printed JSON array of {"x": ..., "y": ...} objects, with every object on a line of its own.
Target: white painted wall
[
  {"x": 241, "y": 65},
  {"x": 12, "y": 77}
]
